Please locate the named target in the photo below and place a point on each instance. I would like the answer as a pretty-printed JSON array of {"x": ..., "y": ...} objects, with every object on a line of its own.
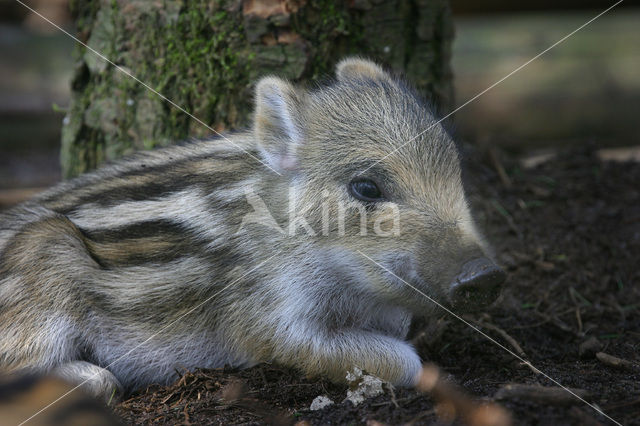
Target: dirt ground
[{"x": 568, "y": 233}]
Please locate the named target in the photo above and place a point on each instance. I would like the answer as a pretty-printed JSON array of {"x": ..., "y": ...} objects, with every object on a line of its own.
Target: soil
[{"x": 568, "y": 233}]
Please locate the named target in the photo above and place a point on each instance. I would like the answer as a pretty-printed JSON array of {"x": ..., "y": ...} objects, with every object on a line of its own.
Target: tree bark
[{"x": 205, "y": 55}]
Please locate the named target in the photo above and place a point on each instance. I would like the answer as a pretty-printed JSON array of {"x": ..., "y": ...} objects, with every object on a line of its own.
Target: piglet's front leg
[{"x": 318, "y": 351}]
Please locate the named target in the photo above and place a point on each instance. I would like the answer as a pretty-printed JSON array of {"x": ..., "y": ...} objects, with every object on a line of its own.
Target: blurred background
[{"x": 586, "y": 90}]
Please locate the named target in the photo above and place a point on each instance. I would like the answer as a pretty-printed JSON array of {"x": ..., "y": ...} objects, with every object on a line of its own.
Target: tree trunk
[{"x": 205, "y": 55}]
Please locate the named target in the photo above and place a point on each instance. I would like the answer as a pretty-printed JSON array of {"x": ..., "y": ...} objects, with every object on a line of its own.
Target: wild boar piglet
[{"x": 283, "y": 243}]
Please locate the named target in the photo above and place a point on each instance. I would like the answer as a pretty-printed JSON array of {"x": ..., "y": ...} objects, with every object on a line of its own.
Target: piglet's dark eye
[{"x": 365, "y": 190}]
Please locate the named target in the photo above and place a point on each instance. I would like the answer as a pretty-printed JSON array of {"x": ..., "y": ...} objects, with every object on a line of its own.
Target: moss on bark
[{"x": 205, "y": 55}]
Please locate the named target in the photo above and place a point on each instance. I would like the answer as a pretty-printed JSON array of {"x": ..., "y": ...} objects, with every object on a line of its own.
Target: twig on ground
[
  {"x": 497, "y": 164},
  {"x": 556, "y": 321},
  {"x": 185, "y": 412},
  {"x": 553, "y": 395},
  {"x": 393, "y": 396},
  {"x": 579, "y": 320},
  {"x": 514, "y": 344},
  {"x": 623, "y": 404},
  {"x": 583, "y": 418},
  {"x": 263, "y": 376},
  {"x": 168, "y": 397},
  {"x": 235, "y": 394},
  {"x": 403, "y": 400},
  {"x": 614, "y": 361},
  {"x": 420, "y": 416},
  {"x": 508, "y": 217}
]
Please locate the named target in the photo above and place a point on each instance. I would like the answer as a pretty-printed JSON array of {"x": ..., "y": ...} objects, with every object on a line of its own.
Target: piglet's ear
[
  {"x": 354, "y": 67},
  {"x": 277, "y": 125}
]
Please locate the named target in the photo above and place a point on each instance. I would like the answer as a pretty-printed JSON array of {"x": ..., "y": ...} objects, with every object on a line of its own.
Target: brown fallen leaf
[{"x": 453, "y": 403}]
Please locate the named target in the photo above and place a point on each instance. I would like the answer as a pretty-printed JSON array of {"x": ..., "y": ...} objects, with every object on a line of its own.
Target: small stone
[
  {"x": 320, "y": 402},
  {"x": 354, "y": 375},
  {"x": 589, "y": 347},
  {"x": 363, "y": 386}
]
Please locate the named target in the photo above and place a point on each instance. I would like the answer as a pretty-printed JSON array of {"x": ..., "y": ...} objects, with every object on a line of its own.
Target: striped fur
[
  {"x": 22, "y": 397},
  {"x": 92, "y": 269}
]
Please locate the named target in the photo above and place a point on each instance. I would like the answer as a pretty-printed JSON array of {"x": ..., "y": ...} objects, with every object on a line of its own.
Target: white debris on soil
[
  {"x": 363, "y": 386},
  {"x": 320, "y": 402}
]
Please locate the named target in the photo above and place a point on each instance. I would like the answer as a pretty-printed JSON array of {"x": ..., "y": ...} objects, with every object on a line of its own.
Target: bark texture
[{"x": 205, "y": 55}]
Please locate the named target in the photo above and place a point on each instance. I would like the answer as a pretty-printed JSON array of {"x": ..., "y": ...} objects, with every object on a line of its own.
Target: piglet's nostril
[{"x": 477, "y": 285}]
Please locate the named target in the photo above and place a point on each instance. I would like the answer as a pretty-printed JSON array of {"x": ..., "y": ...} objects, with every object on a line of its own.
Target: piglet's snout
[{"x": 477, "y": 286}]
